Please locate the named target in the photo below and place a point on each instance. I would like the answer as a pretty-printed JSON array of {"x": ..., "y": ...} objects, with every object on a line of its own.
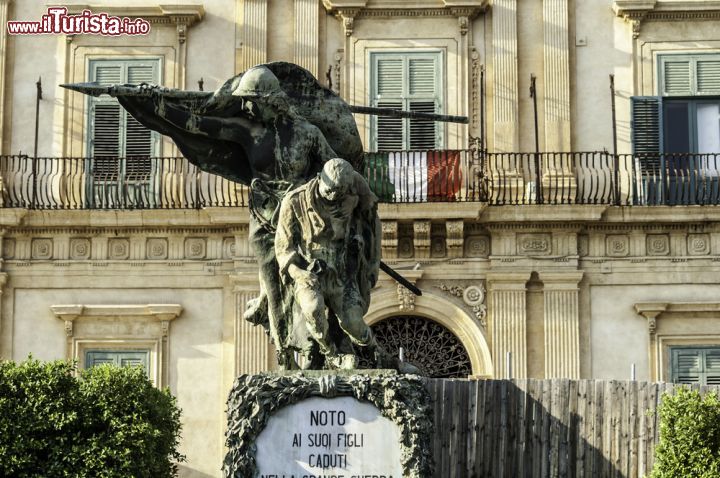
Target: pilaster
[
  {"x": 307, "y": 34},
  {"x": 562, "y": 324},
  {"x": 253, "y": 350},
  {"x": 251, "y": 31},
  {"x": 505, "y": 73},
  {"x": 4, "y": 6},
  {"x": 508, "y": 321},
  {"x": 557, "y": 75}
]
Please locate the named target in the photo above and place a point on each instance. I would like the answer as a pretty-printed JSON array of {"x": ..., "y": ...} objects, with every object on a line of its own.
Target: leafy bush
[
  {"x": 689, "y": 436},
  {"x": 110, "y": 423}
]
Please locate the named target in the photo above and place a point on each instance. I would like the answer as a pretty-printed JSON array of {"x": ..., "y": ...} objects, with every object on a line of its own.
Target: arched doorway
[
  {"x": 426, "y": 344},
  {"x": 438, "y": 310}
]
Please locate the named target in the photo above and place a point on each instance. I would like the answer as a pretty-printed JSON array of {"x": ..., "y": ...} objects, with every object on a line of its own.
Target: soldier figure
[{"x": 328, "y": 251}]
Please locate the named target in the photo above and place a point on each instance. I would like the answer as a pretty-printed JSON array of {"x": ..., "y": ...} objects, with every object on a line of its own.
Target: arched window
[{"x": 426, "y": 344}]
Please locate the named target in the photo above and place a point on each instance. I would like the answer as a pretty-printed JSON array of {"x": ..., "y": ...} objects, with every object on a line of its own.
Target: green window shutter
[
  {"x": 120, "y": 135},
  {"x": 408, "y": 81},
  {"x": 422, "y": 131},
  {"x": 708, "y": 76},
  {"x": 120, "y": 358},
  {"x": 646, "y": 114},
  {"x": 422, "y": 76},
  {"x": 712, "y": 366},
  {"x": 389, "y": 78},
  {"x": 687, "y": 365},
  {"x": 389, "y": 135},
  {"x": 677, "y": 76}
]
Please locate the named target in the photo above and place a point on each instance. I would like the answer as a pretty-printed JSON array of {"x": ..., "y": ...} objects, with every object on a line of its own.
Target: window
[
  {"x": 120, "y": 358},
  {"x": 120, "y": 148},
  {"x": 699, "y": 365},
  {"x": 407, "y": 81},
  {"x": 676, "y": 136},
  {"x": 686, "y": 117}
]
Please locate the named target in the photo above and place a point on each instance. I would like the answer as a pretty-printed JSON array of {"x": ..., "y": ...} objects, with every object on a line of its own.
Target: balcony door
[{"x": 120, "y": 164}]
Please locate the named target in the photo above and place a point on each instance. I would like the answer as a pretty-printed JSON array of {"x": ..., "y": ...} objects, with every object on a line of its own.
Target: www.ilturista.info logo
[{"x": 57, "y": 21}]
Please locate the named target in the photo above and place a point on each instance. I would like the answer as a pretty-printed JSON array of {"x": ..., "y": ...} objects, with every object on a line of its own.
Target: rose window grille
[{"x": 426, "y": 344}]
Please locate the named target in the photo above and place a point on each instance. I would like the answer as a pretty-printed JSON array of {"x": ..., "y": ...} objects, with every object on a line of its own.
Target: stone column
[
  {"x": 4, "y": 4},
  {"x": 307, "y": 34},
  {"x": 508, "y": 321},
  {"x": 505, "y": 75},
  {"x": 251, "y": 34},
  {"x": 253, "y": 350},
  {"x": 562, "y": 324}
]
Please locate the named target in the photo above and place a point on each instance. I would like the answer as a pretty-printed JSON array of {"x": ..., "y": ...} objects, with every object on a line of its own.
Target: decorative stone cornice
[
  {"x": 637, "y": 11},
  {"x": 348, "y": 10},
  {"x": 162, "y": 313},
  {"x": 176, "y": 14}
]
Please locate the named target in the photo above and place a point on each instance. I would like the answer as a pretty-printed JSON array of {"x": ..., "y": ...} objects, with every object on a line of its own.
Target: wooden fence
[{"x": 545, "y": 428}]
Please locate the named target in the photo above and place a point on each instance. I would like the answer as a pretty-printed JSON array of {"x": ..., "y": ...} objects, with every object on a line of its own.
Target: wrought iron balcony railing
[{"x": 396, "y": 177}]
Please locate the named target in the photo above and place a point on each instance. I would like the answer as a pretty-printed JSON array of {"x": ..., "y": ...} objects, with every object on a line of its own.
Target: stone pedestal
[{"x": 329, "y": 423}]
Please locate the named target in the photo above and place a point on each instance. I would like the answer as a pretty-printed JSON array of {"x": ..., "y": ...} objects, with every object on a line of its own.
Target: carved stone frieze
[
  {"x": 534, "y": 244},
  {"x": 389, "y": 240},
  {"x": 406, "y": 299},
  {"x": 477, "y": 246},
  {"x": 658, "y": 244},
  {"x": 473, "y": 296},
  {"x": 617, "y": 245},
  {"x": 583, "y": 245},
  {"x": 157, "y": 248},
  {"x": 195, "y": 248},
  {"x": 422, "y": 239},
  {"x": 8, "y": 249},
  {"x": 698, "y": 244},
  {"x": 229, "y": 247},
  {"x": 42, "y": 248},
  {"x": 80, "y": 248},
  {"x": 455, "y": 231}
]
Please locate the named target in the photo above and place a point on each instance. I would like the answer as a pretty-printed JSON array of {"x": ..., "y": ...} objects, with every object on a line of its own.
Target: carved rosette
[
  {"x": 402, "y": 399},
  {"x": 473, "y": 296}
]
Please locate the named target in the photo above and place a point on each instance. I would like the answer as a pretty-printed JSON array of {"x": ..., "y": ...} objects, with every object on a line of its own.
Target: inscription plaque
[{"x": 329, "y": 438}]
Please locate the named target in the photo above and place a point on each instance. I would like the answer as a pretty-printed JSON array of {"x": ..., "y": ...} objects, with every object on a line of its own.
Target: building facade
[{"x": 570, "y": 230}]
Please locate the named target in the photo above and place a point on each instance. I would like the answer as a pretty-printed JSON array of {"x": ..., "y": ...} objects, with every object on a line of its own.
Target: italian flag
[{"x": 414, "y": 176}]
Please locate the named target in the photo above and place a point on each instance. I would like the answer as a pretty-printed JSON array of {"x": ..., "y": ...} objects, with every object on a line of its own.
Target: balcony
[{"x": 396, "y": 177}]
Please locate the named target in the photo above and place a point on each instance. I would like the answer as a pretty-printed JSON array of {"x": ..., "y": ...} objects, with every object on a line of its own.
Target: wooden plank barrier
[{"x": 545, "y": 428}]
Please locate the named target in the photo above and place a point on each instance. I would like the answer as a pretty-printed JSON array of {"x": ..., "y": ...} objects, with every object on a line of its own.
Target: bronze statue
[{"x": 273, "y": 128}]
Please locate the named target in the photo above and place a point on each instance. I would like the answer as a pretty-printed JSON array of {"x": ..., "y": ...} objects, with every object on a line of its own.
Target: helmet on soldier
[
  {"x": 335, "y": 178},
  {"x": 257, "y": 82}
]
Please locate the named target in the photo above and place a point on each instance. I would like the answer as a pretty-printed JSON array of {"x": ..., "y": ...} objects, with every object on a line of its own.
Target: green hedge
[
  {"x": 111, "y": 422},
  {"x": 689, "y": 436}
]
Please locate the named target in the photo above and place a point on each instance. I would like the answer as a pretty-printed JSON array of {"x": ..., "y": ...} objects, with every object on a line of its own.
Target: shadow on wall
[
  {"x": 544, "y": 428},
  {"x": 187, "y": 472}
]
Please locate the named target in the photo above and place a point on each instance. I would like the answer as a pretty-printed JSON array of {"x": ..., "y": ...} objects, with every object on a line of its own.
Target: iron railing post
[
  {"x": 38, "y": 97},
  {"x": 538, "y": 173}
]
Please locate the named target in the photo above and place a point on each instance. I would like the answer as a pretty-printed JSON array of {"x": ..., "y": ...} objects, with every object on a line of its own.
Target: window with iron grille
[
  {"x": 699, "y": 365},
  {"x": 409, "y": 81}
]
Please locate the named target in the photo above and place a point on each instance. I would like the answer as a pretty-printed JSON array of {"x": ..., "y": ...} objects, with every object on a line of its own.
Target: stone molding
[
  {"x": 402, "y": 399},
  {"x": 101, "y": 319},
  {"x": 636, "y": 12},
  {"x": 417, "y": 8},
  {"x": 178, "y": 14}
]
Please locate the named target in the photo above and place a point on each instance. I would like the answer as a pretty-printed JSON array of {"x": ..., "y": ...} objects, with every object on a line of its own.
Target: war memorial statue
[
  {"x": 315, "y": 229},
  {"x": 274, "y": 128}
]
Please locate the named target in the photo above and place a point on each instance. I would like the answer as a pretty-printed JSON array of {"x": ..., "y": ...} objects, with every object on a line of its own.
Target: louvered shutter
[
  {"x": 677, "y": 77},
  {"x": 708, "y": 76},
  {"x": 408, "y": 81},
  {"x": 120, "y": 358},
  {"x": 99, "y": 358},
  {"x": 422, "y": 73},
  {"x": 687, "y": 365},
  {"x": 712, "y": 366},
  {"x": 646, "y": 117}
]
